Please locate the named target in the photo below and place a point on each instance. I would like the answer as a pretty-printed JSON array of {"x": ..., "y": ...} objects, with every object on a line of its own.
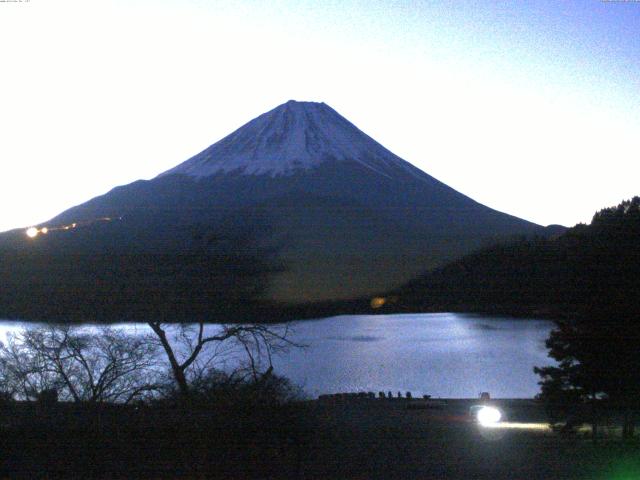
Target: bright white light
[
  {"x": 489, "y": 416},
  {"x": 32, "y": 232}
]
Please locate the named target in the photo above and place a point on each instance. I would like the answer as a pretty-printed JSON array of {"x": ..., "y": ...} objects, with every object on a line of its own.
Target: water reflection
[{"x": 444, "y": 355}]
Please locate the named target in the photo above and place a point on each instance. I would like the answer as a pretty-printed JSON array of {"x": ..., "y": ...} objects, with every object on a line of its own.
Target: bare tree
[
  {"x": 24, "y": 373},
  {"x": 225, "y": 272},
  {"x": 105, "y": 366},
  {"x": 192, "y": 352}
]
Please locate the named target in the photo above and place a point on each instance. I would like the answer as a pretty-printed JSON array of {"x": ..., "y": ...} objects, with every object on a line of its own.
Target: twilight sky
[{"x": 532, "y": 108}]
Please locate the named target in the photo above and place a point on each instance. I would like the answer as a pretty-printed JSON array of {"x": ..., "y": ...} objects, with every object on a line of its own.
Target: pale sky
[{"x": 532, "y": 108}]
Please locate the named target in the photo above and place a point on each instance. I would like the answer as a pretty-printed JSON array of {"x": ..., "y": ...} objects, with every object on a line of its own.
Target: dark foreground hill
[
  {"x": 294, "y": 208},
  {"x": 590, "y": 269}
]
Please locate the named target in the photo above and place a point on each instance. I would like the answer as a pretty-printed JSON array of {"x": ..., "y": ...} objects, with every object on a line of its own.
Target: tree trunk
[
  {"x": 628, "y": 427},
  {"x": 594, "y": 419},
  {"x": 176, "y": 368},
  {"x": 181, "y": 380}
]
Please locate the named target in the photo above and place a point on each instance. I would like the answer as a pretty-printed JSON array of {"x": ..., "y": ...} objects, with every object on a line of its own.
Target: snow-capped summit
[{"x": 293, "y": 136}]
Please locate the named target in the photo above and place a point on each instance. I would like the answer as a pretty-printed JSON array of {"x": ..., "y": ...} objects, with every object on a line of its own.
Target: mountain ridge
[{"x": 347, "y": 221}]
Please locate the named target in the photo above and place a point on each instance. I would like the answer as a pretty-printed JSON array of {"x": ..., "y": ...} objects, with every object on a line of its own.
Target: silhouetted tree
[
  {"x": 597, "y": 351},
  {"x": 233, "y": 274},
  {"x": 194, "y": 350},
  {"x": 104, "y": 366}
]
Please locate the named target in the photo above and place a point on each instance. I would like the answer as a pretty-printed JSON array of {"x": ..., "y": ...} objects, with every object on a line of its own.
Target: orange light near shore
[
  {"x": 377, "y": 302},
  {"x": 32, "y": 232}
]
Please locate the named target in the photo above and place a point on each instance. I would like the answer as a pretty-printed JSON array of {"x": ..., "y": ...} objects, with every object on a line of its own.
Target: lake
[{"x": 440, "y": 354}]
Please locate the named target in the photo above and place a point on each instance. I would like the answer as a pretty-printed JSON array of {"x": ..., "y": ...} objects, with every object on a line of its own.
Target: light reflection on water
[{"x": 441, "y": 354}]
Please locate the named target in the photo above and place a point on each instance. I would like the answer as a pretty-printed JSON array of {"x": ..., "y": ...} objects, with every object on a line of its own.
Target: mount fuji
[{"x": 347, "y": 217}]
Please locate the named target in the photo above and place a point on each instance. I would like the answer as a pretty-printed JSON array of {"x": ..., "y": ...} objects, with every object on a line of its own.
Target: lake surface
[{"x": 440, "y": 354}]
